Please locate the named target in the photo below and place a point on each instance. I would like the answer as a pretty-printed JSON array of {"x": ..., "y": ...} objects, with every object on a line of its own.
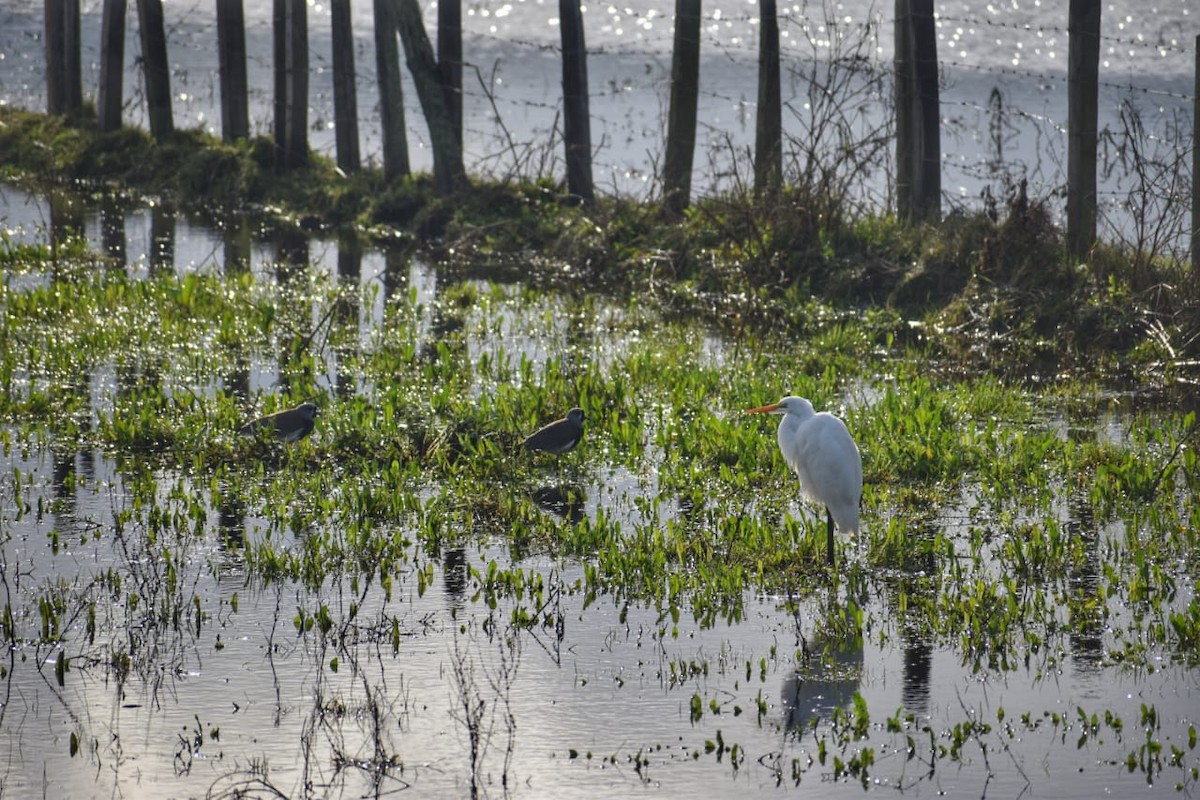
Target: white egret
[
  {"x": 557, "y": 437},
  {"x": 821, "y": 451},
  {"x": 290, "y": 425}
]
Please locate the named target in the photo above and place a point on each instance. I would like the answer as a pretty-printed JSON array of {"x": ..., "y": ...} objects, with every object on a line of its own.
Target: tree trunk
[
  {"x": 450, "y": 59},
  {"x": 448, "y": 172},
  {"x": 290, "y": 45},
  {"x": 918, "y": 112},
  {"x": 72, "y": 59},
  {"x": 929, "y": 113},
  {"x": 155, "y": 69},
  {"x": 768, "y": 142},
  {"x": 577, "y": 133},
  {"x": 905, "y": 103},
  {"x": 1196, "y": 167},
  {"x": 681, "y": 117},
  {"x": 345, "y": 88},
  {"x": 231, "y": 55},
  {"x": 1083, "y": 76},
  {"x": 391, "y": 96},
  {"x": 295, "y": 150},
  {"x": 56, "y": 76},
  {"x": 110, "y": 95},
  {"x": 279, "y": 15}
]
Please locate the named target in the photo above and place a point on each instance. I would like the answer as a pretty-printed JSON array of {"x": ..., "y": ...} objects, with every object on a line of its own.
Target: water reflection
[
  {"x": 918, "y": 647},
  {"x": 113, "y": 240},
  {"x": 563, "y": 500},
  {"x": 237, "y": 380},
  {"x": 1087, "y": 630},
  {"x": 346, "y": 309},
  {"x": 455, "y": 574},
  {"x": 162, "y": 239},
  {"x": 918, "y": 671},
  {"x": 826, "y": 678},
  {"x": 235, "y": 244},
  {"x": 66, "y": 217},
  {"x": 231, "y": 525},
  {"x": 64, "y": 480},
  {"x": 291, "y": 254},
  {"x": 396, "y": 264}
]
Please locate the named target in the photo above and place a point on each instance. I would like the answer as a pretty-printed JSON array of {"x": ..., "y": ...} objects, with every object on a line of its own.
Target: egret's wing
[
  {"x": 831, "y": 460},
  {"x": 788, "y": 436},
  {"x": 830, "y": 467}
]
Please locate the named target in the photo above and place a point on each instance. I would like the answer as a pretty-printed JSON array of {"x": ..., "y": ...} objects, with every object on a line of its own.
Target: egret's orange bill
[{"x": 763, "y": 409}]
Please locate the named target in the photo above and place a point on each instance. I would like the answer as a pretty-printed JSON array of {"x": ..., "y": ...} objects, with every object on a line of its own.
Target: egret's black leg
[{"x": 829, "y": 530}]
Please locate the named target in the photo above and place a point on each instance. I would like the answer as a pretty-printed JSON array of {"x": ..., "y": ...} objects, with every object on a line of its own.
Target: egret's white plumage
[{"x": 821, "y": 451}]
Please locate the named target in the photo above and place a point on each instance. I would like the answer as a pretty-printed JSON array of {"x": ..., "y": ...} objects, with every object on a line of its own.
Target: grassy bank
[{"x": 988, "y": 290}]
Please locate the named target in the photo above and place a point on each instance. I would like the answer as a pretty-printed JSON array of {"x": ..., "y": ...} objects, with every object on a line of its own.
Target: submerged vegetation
[{"x": 1016, "y": 528}]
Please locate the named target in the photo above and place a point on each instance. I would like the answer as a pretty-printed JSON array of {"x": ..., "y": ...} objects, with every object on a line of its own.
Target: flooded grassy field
[{"x": 407, "y": 600}]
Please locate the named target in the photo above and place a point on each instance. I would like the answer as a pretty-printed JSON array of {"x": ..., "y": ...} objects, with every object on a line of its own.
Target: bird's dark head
[{"x": 576, "y": 416}]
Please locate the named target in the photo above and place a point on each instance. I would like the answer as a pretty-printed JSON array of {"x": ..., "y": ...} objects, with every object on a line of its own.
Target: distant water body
[{"x": 1011, "y": 55}]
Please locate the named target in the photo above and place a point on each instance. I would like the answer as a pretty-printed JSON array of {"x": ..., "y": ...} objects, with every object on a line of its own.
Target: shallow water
[
  {"x": 598, "y": 708},
  {"x": 596, "y": 699}
]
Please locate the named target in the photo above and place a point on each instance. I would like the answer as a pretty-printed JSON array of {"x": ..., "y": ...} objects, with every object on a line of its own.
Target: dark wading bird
[
  {"x": 289, "y": 425},
  {"x": 559, "y": 436},
  {"x": 821, "y": 451}
]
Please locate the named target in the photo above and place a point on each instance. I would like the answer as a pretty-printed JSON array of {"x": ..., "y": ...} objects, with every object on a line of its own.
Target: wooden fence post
[
  {"x": 448, "y": 172},
  {"x": 929, "y": 112},
  {"x": 345, "y": 88},
  {"x": 56, "y": 75},
  {"x": 1083, "y": 76},
  {"x": 681, "y": 117},
  {"x": 1196, "y": 167},
  {"x": 577, "y": 125},
  {"x": 450, "y": 59},
  {"x": 155, "y": 69},
  {"x": 279, "y": 73},
  {"x": 918, "y": 112},
  {"x": 231, "y": 57},
  {"x": 72, "y": 57},
  {"x": 296, "y": 144},
  {"x": 64, "y": 75},
  {"x": 391, "y": 97},
  {"x": 768, "y": 140},
  {"x": 290, "y": 37},
  {"x": 110, "y": 95},
  {"x": 903, "y": 71}
]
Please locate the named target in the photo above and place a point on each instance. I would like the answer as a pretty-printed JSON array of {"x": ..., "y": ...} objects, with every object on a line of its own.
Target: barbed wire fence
[{"x": 1003, "y": 122}]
